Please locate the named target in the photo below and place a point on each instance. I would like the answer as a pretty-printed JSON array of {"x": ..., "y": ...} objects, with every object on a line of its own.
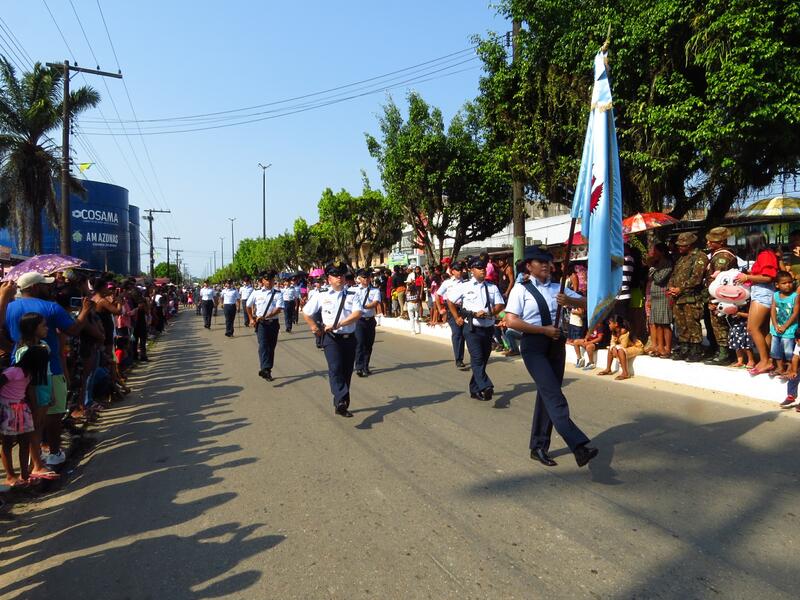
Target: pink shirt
[
  {"x": 491, "y": 272},
  {"x": 14, "y": 389}
]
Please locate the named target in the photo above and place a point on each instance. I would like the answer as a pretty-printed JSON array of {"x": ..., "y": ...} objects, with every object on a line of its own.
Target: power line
[
  {"x": 312, "y": 94},
  {"x": 293, "y": 112},
  {"x": 10, "y": 52},
  {"x": 16, "y": 41}
]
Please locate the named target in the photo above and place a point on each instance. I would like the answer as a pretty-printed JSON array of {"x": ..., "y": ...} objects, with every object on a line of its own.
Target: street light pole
[
  {"x": 264, "y": 199},
  {"x": 232, "y": 252},
  {"x": 221, "y": 252}
]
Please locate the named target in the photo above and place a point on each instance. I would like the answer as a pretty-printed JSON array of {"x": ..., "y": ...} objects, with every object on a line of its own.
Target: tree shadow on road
[
  {"x": 675, "y": 471},
  {"x": 155, "y": 455}
]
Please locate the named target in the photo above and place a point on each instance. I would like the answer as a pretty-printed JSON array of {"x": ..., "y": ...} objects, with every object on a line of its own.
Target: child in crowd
[
  {"x": 623, "y": 346},
  {"x": 32, "y": 331},
  {"x": 412, "y": 306},
  {"x": 16, "y": 418},
  {"x": 590, "y": 344},
  {"x": 576, "y": 333},
  {"x": 739, "y": 340},
  {"x": 121, "y": 361},
  {"x": 783, "y": 321},
  {"x": 793, "y": 380}
]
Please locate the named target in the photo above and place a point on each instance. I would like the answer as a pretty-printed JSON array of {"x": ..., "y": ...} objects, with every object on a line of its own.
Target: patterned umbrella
[
  {"x": 780, "y": 206},
  {"x": 45, "y": 264},
  {"x": 646, "y": 221}
]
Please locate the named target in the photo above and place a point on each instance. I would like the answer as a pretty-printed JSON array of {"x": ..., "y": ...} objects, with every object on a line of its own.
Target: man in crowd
[
  {"x": 230, "y": 296},
  {"x": 686, "y": 289},
  {"x": 480, "y": 301},
  {"x": 370, "y": 298},
  {"x": 721, "y": 259},
  {"x": 341, "y": 310},
  {"x": 264, "y": 306}
]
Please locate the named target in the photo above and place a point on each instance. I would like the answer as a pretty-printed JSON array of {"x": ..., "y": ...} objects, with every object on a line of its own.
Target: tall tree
[
  {"x": 449, "y": 183},
  {"x": 706, "y": 95},
  {"x": 172, "y": 272},
  {"x": 30, "y": 109}
]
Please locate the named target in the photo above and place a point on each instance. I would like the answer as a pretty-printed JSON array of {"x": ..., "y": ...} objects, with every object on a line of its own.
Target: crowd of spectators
[{"x": 67, "y": 343}]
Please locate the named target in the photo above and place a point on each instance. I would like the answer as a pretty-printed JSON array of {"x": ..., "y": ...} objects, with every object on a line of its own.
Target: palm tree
[{"x": 30, "y": 109}]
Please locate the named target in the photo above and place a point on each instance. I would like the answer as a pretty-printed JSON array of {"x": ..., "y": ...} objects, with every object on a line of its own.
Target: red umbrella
[
  {"x": 577, "y": 240},
  {"x": 646, "y": 221}
]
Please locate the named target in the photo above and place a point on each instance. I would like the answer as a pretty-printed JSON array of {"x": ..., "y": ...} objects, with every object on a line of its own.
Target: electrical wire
[{"x": 4, "y": 26}]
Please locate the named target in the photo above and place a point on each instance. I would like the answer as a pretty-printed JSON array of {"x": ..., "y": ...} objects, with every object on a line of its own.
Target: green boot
[
  {"x": 721, "y": 359},
  {"x": 679, "y": 351},
  {"x": 695, "y": 353}
]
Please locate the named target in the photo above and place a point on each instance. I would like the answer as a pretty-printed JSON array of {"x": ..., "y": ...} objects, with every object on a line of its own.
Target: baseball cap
[{"x": 29, "y": 279}]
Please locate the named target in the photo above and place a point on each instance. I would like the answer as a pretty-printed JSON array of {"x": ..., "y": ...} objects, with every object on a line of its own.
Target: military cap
[
  {"x": 538, "y": 254},
  {"x": 457, "y": 266},
  {"x": 268, "y": 275},
  {"x": 477, "y": 263},
  {"x": 364, "y": 273},
  {"x": 718, "y": 234},
  {"x": 686, "y": 239},
  {"x": 336, "y": 268}
]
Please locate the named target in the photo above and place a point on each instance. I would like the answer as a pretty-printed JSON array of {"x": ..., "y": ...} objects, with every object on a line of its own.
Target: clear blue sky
[{"x": 186, "y": 58}]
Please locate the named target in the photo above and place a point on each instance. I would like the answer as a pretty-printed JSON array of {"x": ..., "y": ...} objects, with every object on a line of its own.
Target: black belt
[
  {"x": 341, "y": 336},
  {"x": 367, "y": 319}
]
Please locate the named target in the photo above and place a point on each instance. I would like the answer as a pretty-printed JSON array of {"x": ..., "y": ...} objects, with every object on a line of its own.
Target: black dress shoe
[
  {"x": 367, "y": 372},
  {"x": 477, "y": 396},
  {"x": 268, "y": 375},
  {"x": 343, "y": 412},
  {"x": 488, "y": 393},
  {"x": 583, "y": 454},
  {"x": 360, "y": 373},
  {"x": 543, "y": 457},
  {"x": 462, "y": 366},
  {"x": 261, "y": 373}
]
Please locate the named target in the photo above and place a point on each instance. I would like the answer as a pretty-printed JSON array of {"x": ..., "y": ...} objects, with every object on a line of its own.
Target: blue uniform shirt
[
  {"x": 522, "y": 303},
  {"x": 329, "y": 302},
  {"x": 265, "y": 301},
  {"x": 476, "y": 296},
  {"x": 368, "y": 296}
]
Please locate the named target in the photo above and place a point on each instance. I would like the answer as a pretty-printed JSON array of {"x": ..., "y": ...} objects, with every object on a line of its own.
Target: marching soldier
[
  {"x": 244, "y": 293},
  {"x": 208, "y": 298},
  {"x": 456, "y": 330},
  {"x": 686, "y": 289},
  {"x": 341, "y": 310},
  {"x": 264, "y": 306},
  {"x": 365, "y": 327},
  {"x": 290, "y": 300},
  {"x": 721, "y": 259},
  {"x": 480, "y": 301},
  {"x": 229, "y": 296},
  {"x": 531, "y": 309}
]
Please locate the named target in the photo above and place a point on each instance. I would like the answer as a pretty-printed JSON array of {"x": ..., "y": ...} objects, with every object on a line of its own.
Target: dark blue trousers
[
  {"x": 244, "y": 312},
  {"x": 230, "y": 317},
  {"x": 551, "y": 409},
  {"x": 457, "y": 337},
  {"x": 791, "y": 387},
  {"x": 340, "y": 352},
  {"x": 365, "y": 339},
  {"x": 267, "y": 335},
  {"x": 288, "y": 315},
  {"x": 479, "y": 344},
  {"x": 208, "y": 309}
]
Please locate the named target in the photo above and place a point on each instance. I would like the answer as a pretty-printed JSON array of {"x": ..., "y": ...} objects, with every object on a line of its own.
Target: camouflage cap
[
  {"x": 718, "y": 234},
  {"x": 686, "y": 239}
]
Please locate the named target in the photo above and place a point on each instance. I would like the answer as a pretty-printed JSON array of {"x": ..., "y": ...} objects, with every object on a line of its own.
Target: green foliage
[
  {"x": 161, "y": 270},
  {"x": 30, "y": 109},
  {"x": 707, "y": 96},
  {"x": 449, "y": 183}
]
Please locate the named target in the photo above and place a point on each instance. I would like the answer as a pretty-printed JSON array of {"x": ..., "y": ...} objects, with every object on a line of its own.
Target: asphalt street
[{"x": 208, "y": 482}]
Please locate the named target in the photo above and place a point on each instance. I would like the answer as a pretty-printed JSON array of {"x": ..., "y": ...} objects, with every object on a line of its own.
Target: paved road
[{"x": 211, "y": 482}]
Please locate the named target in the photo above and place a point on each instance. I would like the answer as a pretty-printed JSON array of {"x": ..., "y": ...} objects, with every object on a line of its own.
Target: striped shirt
[{"x": 627, "y": 277}]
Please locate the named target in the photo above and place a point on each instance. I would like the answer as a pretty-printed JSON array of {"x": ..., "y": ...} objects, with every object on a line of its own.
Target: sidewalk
[{"x": 696, "y": 375}]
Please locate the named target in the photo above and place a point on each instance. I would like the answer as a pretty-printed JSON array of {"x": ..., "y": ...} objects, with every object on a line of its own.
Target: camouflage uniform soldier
[
  {"x": 721, "y": 259},
  {"x": 686, "y": 287}
]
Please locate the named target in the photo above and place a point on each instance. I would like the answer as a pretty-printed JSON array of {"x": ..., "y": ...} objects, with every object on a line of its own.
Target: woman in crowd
[
  {"x": 761, "y": 277},
  {"x": 660, "y": 317}
]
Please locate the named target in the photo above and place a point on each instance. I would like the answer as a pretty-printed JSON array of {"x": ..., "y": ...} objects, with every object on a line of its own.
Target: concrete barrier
[{"x": 696, "y": 375}]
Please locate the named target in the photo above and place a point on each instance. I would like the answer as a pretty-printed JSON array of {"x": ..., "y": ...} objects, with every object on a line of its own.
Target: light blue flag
[{"x": 598, "y": 200}]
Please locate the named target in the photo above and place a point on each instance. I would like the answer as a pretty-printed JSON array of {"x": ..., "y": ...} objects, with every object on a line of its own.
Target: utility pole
[
  {"x": 178, "y": 265},
  {"x": 221, "y": 252},
  {"x": 168, "y": 238},
  {"x": 65, "y": 234},
  {"x": 215, "y": 261},
  {"x": 264, "y": 200},
  {"x": 149, "y": 217},
  {"x": 517, "y": 188},
  {"x": 232, "y": 252}
]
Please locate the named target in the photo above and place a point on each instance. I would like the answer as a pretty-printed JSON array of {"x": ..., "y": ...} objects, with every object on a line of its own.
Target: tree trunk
[{"x": 36, "y": 231}]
